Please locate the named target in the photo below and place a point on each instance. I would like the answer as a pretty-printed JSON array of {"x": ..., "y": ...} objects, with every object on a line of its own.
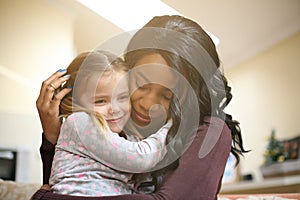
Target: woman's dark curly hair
[{"x": 187, "y": 48}]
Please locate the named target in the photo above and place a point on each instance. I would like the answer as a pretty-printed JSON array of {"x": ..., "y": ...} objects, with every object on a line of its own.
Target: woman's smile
[{"x": 140, "y": 117}]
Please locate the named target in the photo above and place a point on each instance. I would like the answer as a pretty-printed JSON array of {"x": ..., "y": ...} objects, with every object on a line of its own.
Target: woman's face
[{"x": 151, "y": 88}]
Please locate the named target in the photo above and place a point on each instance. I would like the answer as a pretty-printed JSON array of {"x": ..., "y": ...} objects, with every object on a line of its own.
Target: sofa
[
  {"x": 287, "y": 196},
  {"x": 10, "y": 190}
]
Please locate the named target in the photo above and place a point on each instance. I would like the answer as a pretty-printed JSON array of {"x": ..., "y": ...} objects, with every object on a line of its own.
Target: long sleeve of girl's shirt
[
  {"x": 81, "y": 136},
  {"x": 197, "y": 177}
]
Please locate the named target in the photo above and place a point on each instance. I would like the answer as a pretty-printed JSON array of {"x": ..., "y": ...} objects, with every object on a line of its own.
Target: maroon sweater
[{"x": 198, "y": 176}]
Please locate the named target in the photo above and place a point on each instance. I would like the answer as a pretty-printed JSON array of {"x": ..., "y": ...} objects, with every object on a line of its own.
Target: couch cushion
[{"x": 17, "y": 191}]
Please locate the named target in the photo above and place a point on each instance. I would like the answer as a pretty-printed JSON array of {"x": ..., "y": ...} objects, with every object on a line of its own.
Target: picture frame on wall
[{"x": 291, "y": 148}]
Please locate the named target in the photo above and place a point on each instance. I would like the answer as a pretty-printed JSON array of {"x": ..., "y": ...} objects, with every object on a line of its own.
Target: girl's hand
[{"x": 48, "y": 104}]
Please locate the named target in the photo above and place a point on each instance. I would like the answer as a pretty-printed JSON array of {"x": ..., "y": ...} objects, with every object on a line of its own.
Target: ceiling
[{"x": 245, "y": 28}]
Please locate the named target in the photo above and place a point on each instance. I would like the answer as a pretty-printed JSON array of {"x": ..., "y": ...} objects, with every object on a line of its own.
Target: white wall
[
  {"x": 36, "y": 40},
  {"x": 266, "y": 93}
]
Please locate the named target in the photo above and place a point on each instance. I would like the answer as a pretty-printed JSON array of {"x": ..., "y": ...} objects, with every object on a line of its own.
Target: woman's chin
[{"x": 141, "y": 124}]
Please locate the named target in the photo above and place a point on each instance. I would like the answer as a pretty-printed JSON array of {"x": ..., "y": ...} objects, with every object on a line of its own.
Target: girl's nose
[{"x": 113, "y": 109}]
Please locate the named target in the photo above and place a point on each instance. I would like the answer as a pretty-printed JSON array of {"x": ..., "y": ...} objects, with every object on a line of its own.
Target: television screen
[{"x": 8, "y": 161}]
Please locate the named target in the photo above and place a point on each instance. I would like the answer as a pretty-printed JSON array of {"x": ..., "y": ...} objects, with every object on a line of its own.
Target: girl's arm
[
  {"x": 111, "y": 149},
  {"x": 196, "y": 178}
]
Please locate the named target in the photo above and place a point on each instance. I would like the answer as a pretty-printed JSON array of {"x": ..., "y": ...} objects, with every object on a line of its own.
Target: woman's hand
[
  {"x": 45, "y": 187},
  {"x": 48, "y": 104}
]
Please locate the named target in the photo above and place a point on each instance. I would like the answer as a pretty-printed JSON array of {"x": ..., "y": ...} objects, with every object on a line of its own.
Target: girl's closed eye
[
  {"x": 124, "y": 97},
  {"x": 100, "y": 102}
]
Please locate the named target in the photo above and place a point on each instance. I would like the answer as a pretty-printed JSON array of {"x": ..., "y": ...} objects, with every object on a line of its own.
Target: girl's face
[
  {"x": 151, "y": 86},
  {"x": 111, "y": 98}
]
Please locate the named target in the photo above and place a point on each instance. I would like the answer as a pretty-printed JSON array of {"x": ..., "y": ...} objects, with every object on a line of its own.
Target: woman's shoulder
[
  {"x": 215, "y": 123},
  {"x": 213, "y": 120},
  {"x": 214, "y": 134}
]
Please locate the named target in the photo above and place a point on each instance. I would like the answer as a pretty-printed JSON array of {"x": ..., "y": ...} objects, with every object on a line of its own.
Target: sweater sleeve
[
  {"x": 198, "y": 176},
  {"x": 47, "y": 150},
  {"x": 109, "y": 148}
]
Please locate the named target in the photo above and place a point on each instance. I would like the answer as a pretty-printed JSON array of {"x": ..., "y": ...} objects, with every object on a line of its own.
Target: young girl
[{"x": 91, "y": 158}]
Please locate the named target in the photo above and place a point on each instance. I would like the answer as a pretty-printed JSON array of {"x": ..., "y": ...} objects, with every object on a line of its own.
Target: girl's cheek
[
  {"x": 126, "y": 106},
  {"x": 101, "y": 110}
]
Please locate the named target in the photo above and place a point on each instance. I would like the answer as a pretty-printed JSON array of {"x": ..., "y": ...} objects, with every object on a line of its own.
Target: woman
[{"x": 183, "y": 47}]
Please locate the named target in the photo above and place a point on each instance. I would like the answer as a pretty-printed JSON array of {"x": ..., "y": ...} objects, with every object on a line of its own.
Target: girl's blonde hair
[{"x": 80, "y": 69}]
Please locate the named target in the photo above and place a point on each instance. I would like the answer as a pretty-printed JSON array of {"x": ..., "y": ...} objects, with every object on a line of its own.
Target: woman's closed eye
[
  {"x": 164, "y": 93},
  {"x": 143, "y": 88},
  {"x": 141, "y": 85},
  {"x": 167, "y": 97}
]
